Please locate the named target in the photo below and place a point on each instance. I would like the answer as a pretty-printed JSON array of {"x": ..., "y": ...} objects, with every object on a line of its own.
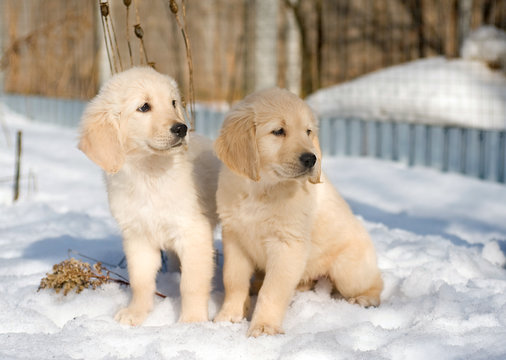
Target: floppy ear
[
  {"x": 236, "y": 145},
  {"x": 317, "y": 170},
  {"x": 100, "y": 139}
]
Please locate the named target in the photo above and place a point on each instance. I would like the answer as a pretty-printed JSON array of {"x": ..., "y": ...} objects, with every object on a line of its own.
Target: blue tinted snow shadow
[
  {"x": 423, "y": 225},
  {"x": 107, "y": 250}
]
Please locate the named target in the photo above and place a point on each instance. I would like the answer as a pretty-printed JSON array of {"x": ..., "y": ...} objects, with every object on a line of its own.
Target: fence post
[
  {"x": 379, "y": 138},
  {"x": 501, "y": 156},
  {"x": 19, "y": 146},
  {"x": 364, "y": 137},
  {"x": 428, "y": 145},
  {"x": 412, "y": 145},
  {"x": 463, "y": 151},
  {"x": 333, "y": 136},
  {"x": 395, "y": 141},
  {"x": 446, "y": 148},
  {"x": 481, "y": 155},
  {"x": 349, "y": 140}
]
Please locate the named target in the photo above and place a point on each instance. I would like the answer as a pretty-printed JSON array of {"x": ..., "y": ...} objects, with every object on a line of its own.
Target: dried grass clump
[{"x": 75, "y": 275}]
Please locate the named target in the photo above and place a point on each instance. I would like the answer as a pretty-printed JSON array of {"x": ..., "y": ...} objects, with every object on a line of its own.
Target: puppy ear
[
  {"x": 317, "y": 169},
  {"x": 100, "y": 138},
  {"x": 236, "y": 145}
]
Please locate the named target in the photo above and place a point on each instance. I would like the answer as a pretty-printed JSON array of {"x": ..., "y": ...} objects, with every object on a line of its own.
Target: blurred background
[
  {"x": 54, "y": 58},
  {"x": 56, "y": 47}
]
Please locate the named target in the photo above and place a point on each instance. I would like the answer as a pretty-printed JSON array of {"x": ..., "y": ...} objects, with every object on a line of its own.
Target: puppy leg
[
  {"x": 356, "y": 275},
  {"x": 285, "y": 266},
  {"x": 197, "y": 266},
  {"x": 237, "y": 271},
  {"x": 143, "y": 262}
]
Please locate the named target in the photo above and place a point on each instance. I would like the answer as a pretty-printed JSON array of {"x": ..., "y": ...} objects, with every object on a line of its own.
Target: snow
[
  {"x": 487, "y": 44},
  {"x": 432, "y": 91},
  {"x": 440, "y": 239}
]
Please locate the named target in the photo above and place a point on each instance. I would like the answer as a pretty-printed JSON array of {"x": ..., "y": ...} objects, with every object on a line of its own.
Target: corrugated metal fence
[{"x": 472, "y": 152}]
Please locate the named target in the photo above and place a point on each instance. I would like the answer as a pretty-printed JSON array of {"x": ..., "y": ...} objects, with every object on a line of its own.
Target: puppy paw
[
  {"x": 228, "y": 316},
  {"x": 129, "y": 316},
  {"x": 264, "y": 329},
  {"x": 193, "y": 317},
  {"x": 365, "y": 301}
]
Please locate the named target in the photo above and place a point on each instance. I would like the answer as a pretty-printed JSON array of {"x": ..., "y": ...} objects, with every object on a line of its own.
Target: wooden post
[{"x": 18, "y": 164}]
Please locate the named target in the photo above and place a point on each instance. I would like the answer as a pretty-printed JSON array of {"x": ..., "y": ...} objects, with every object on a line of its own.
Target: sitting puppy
[
  {"x": 161, "y": 186},
  {"x": 278, "y": 217}
]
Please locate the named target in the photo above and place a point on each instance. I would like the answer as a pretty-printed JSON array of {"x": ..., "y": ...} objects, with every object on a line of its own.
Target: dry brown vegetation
[{"x": 51, "y": 47}]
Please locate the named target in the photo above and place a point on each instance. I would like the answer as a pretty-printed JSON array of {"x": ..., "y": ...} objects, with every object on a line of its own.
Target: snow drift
[{"x": 440, "y": 240}]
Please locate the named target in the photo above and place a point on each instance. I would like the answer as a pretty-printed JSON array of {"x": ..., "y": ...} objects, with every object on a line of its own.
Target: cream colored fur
[
  {"x": 282, "y": 219},
  {"x": 161, "y": 187}
]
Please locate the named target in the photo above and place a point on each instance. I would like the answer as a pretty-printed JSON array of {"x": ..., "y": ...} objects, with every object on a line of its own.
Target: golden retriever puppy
[
  {"x": 161, "y": 186},
  {"x": 280, "y": 215}
]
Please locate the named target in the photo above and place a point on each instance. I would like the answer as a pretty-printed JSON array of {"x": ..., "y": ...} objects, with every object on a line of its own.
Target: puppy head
[
  {"x": 137, "y": 111},
  {"x": 271, "y": 133}
]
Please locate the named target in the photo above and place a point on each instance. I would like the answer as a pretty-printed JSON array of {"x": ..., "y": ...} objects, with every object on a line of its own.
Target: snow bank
[
  {"x": 433, "y": 91},
  {"x": 487, "y": 44},
  {"x": 440, "y": 240}
]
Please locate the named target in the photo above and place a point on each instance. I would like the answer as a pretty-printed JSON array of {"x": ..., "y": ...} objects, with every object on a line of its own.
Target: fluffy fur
[
  {"x": 161, "y": 186},
  {"x": 282, "y": 216}
]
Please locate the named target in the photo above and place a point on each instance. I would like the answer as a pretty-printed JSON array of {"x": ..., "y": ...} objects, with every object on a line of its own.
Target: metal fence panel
[{"x": 472, "y": 152}]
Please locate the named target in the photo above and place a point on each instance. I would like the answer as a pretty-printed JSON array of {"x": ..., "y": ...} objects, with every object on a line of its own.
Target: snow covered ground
[
  {"x": 433, "y": 90},
  {"x": 440, "y": 238}
]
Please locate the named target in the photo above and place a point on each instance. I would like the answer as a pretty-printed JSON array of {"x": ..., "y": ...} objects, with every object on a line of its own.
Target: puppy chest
[
  {"x": 151, "y": 212},
  {"x": 260, "y": 220}
]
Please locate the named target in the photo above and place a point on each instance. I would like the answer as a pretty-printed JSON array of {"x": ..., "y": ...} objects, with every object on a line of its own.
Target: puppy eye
[
  {"x": 308, "y": 132},
  {"x": 279, "y": 132},
  {"x": 144, "y": 108},
  {"x": 174, "y": 104}
]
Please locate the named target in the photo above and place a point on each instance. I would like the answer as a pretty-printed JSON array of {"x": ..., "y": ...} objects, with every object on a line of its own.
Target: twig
[
  {"x": 127, "y": 5},
  {"x": 140, "y": 34},
  {"x": 113, "y": 42},
  {"x": 116, "y": 44},
  {"x": 102, "y": 11},
  {"x": 122, "y": 280},
  {"x": 19, "y": 146},
  {"x": 184, "y": 31},
  {"x": 70, "y": 251}
]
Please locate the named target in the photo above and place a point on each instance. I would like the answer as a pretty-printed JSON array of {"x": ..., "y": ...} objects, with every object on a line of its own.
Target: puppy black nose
[
  {"x": 308, "y": 160},
  {"x": 179, "y": 130}
]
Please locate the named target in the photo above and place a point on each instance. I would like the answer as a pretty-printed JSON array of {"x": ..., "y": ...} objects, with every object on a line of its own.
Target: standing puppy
[
  {"x": 279, "y": 217},
  {"x": 161, "y": 186}
]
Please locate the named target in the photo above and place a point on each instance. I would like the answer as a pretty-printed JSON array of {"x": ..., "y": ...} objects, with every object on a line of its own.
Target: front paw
[
  {"x": 257, "y": 330},
  {"x": 365, "y": 301},
  {"x": 193, "y": 317},
  {"x": 130, "y": 316},
  {"x": 233, "y": 311},
  {"x": 224, "y": 315}
]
